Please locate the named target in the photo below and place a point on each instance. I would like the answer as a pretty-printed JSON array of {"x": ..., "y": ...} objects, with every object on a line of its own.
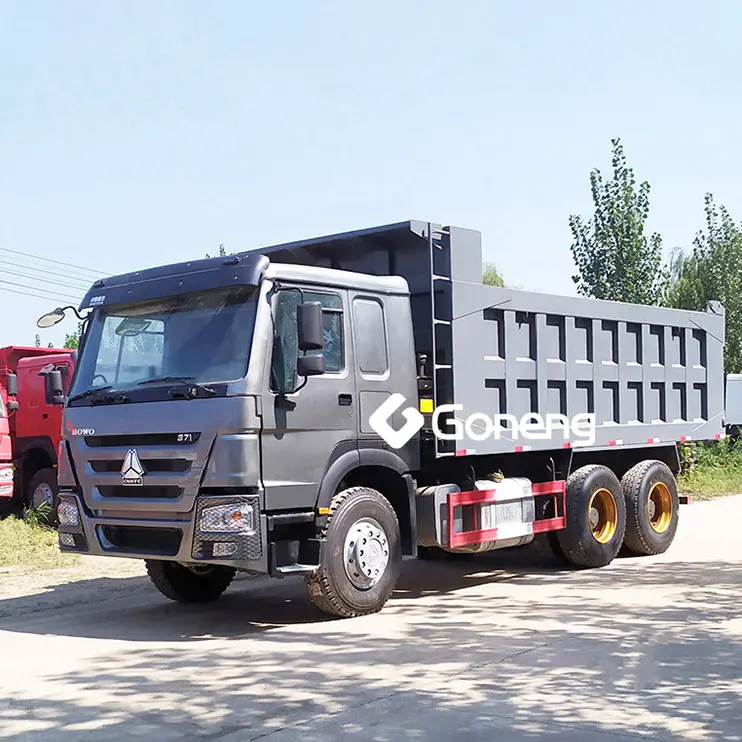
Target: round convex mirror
[{"x": 50, "y": 319}]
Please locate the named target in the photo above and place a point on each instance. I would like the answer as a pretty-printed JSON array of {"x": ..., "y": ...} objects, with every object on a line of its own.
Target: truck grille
[
  {"x": 162, "y": 541},
  {"x": 114, "y": 466},
  {"x": 153, "y": 491}
]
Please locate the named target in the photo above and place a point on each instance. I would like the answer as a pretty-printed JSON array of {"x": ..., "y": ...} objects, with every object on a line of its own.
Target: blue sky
[{"x": 138, "y": 133}]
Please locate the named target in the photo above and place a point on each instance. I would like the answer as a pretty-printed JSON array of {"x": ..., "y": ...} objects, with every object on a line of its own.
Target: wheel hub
[
  {"x": 603, "y": 516},
  {"x": 659, "y": 507},
  {"x": 42, "y": 494},
  {"x": 366, "y": 553}
]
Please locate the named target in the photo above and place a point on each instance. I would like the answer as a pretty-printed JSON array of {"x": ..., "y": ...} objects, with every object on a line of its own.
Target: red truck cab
[
  {"x": 34, "y": 427},
  {"x": 6, "y": 455}
]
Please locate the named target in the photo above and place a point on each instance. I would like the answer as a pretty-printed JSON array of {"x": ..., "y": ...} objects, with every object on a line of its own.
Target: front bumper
[{"x": 188, "y": 538}]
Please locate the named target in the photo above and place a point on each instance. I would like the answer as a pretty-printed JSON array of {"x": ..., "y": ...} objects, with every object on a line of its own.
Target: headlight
[
  {"x": 6, "y": 474},
  {"x": 235, "y": 518}
]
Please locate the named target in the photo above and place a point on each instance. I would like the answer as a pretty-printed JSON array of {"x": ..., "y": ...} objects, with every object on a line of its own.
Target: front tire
[
  {"x": 652, "y": 504},
  {"x": 183, "y": 585},
  {"x": 596, "y": 517},
  {"x": 42, "y": 491},
  {"x": 362, "y": 555}
]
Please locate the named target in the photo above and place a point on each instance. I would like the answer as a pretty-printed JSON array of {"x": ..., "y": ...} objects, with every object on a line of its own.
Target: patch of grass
[
  {"x": 711, "y": 469},
  {"x": 28, "y": 544}
]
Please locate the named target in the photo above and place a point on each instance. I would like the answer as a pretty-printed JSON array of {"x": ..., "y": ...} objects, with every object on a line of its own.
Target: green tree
[
  {"x": 491, "y": 276},
  {"x": 712, "y": 271},
  {"x": 37, "y": 342},
  {"x": 73, "y": 341},
  {"x": 615, "y": 259},
  {"x": 222, "y": 252}
]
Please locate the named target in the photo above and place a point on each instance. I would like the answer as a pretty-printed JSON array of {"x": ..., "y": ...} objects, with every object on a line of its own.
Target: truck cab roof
[{"x": 345, "y": 259}]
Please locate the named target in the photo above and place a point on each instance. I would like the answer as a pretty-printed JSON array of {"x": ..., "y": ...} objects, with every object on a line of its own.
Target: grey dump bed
[{"x": 650, "y": 375}]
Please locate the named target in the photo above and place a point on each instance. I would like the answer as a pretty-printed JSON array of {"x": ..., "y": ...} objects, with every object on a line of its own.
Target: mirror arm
[
  {"x": 302, "y": 385},
  {"x": 77, "y": 314}
]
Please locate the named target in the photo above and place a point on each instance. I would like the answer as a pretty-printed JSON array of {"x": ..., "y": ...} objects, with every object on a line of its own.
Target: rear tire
[
  {"x": 652, "y": 505},
  {"x": 362, "y": 555},
  {"x": 185, "y": 585},
  {"x": 596, "y": 517}
]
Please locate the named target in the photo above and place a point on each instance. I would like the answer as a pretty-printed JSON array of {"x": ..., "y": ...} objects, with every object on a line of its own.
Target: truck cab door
[
  {"x": 38, "y": 415},
  {"x": 305, "y": 430}
]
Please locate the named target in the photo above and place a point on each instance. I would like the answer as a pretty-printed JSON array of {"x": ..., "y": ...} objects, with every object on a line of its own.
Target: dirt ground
[{"x": 496, "y": 649}]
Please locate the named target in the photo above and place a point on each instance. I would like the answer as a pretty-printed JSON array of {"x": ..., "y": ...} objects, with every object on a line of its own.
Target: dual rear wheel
[{"x": 638, "y": 514}]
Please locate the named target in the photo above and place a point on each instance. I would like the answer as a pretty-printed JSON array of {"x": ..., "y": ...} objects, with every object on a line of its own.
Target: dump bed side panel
[{"x": 649, "y": 374}]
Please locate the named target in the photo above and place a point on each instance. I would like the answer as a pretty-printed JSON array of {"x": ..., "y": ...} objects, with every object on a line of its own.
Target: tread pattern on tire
[
  {"x": 573, "y": 548},
  {"x": 634, "y": 541},
  {"x": 319, "y": 587},
  {"x": 158, "y": 574}
]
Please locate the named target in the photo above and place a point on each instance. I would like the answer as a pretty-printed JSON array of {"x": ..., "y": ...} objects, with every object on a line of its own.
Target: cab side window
[{"x": 285, "y": 341}]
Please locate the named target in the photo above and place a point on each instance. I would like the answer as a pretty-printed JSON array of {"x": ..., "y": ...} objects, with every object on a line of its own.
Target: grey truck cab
[{"x": 221, "y": 416}]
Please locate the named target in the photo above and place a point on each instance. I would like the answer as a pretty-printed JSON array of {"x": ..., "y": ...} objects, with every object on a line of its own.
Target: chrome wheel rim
[
  {"x": 43, "y": 494},
  {"x": 365, "y": 553}
]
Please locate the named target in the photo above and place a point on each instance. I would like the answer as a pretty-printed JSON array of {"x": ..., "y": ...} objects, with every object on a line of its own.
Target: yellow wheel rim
[
  {"x": 659, "y": 507},
  {"x": 603, "y": 515}
]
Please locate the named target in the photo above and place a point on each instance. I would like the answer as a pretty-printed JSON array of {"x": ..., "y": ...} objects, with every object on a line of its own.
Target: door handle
[{"x": 345, "y": 400}]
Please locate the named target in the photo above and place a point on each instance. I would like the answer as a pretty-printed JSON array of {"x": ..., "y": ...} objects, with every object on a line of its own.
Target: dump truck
[
  {"x": 329, "y": 407},
  {"x": 34, "y": 423}
]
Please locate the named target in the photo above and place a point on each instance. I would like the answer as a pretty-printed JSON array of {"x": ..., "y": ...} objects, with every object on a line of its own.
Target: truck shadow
[
  {"x": 130, "y": 609},
  {"x": 463, "y": 651}
]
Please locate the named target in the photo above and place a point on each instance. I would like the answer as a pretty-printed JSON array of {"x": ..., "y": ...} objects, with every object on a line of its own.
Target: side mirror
[
  {"x": 50, "y": 318},
  {"x": 11, "y": 385},
  {"x": 310, "y": 328},
  {"x": 313, "y": 365},
  {"x": 56, "y": 385}
]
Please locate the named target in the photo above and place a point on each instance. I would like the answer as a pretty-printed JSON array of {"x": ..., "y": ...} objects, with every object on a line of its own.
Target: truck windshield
[{"x": 203, "y": 338}]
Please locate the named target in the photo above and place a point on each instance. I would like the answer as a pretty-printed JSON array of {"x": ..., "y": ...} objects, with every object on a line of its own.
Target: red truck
[{"x": 31, "y": 423}]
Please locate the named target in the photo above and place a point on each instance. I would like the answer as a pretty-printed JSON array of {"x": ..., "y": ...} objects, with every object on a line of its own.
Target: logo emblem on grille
[{"x": 132, "y": 471}]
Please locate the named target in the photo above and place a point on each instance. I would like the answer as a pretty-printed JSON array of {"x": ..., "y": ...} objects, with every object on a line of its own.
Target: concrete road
[{"x": 645, "y": 648}]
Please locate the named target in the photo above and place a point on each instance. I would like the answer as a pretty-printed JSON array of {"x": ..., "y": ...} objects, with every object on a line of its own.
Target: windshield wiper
[
  {"x": 88, "y": 393},
  {"x": 195, "y": 387},
  {"x": 164, "y": 379},
  {"x": 101, "y": 395}
]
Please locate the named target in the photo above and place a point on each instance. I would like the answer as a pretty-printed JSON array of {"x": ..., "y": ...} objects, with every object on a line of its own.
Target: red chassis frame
[{"x": 556, "y": 489}]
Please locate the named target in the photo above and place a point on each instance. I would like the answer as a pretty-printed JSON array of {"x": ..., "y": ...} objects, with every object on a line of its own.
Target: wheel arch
[
  {"x": 381, "y": 470},
  {"x": 33, "y": 455}
]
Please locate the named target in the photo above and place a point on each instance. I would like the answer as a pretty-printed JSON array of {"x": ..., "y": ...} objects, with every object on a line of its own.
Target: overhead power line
[
  {"x": 37, "y": 295},
  {"x": 34, "y": 288},
  {"x": 45, "y": 280},
  {"x": 56, "y": 262},
  {"x": 85, "y": 281}
]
